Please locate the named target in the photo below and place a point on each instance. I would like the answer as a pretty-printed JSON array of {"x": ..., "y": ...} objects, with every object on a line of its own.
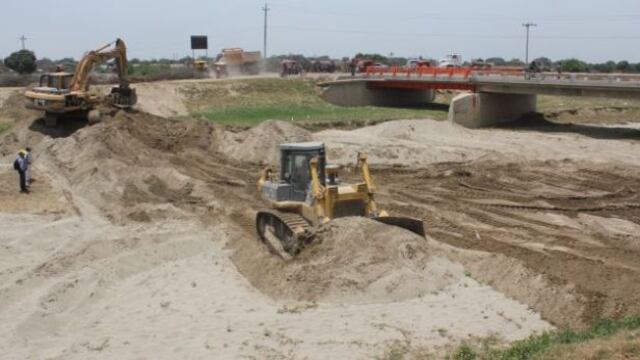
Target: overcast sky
[{"x": 593, "y": 30}]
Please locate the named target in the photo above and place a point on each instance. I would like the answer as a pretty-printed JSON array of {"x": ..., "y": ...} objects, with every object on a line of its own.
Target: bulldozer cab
[{"x": 294, "y": 167}]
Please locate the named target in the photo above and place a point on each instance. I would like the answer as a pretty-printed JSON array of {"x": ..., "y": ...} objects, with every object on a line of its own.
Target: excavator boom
[{"x": 80, "y": 81}]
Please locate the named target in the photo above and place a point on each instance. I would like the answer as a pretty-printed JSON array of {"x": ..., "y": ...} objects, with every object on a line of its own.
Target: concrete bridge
[{"x": 493, "y": 96}]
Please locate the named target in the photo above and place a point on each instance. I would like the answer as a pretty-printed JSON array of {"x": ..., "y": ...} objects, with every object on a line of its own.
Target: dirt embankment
[
  {"x": 353, "y": 260},
  {"x": 567, "y": 227},
  {"x": 147, "y": 194},
  {"x": 574, "y": 227},
  {"x": 560, "y": 236}
]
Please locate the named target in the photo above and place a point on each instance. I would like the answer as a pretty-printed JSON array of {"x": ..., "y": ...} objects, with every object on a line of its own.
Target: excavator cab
[{"x": 59, "y": 81}]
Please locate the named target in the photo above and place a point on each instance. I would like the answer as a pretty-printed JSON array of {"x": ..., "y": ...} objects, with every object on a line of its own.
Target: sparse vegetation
[
  {"x": 589, "y": 110},
  {"x": 562, "y": 344},
  {"x": 397, "y": 351},
  {"x": 249, "y": 102}
]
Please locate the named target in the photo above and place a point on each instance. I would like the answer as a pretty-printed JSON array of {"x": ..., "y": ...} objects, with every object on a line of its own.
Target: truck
[{"x": 236, "y": 61}]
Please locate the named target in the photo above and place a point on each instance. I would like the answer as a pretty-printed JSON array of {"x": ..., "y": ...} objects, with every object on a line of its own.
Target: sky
[{"x": 592, "y": 30}]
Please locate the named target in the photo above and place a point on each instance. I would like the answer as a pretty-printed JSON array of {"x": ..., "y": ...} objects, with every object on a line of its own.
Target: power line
[
  {"x": 528, "y": 25},
  {"x": 266, "y": 11},
  {"x": 23, "y": 39}
]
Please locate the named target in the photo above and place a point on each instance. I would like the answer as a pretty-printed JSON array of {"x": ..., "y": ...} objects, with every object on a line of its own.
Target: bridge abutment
[
  {"x": 357, "y": 93},
  {"x": 476, "y": 110}
]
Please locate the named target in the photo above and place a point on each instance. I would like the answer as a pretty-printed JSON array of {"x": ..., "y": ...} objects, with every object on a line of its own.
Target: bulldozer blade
[{"x": 414, "y": 225}]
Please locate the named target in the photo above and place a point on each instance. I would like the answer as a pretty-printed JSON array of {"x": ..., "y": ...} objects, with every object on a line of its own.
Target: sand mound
[
  {"x": 260, "y": 143},
  {"x": 129, "y": 161},
  {"x": 161, "y": 99},
  {"x": 354, "y": 260}
]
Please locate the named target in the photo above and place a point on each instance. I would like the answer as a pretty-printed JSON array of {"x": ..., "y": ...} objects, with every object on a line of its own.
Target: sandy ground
[
  {"x": 417, "y": 143},
  {"x": 138, "y": 241}
]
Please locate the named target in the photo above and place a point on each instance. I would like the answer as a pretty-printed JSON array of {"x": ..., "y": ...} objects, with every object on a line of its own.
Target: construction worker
[
  {"x": 20, "y": 165},
  {"x": 29, "y": 159}
]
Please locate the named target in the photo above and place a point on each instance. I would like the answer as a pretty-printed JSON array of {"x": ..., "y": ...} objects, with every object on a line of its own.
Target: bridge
[{"x": 492, "y": 95}]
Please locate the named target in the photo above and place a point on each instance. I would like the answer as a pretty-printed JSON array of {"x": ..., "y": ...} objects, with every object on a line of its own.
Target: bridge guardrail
[{"x": 473, "y": 72}]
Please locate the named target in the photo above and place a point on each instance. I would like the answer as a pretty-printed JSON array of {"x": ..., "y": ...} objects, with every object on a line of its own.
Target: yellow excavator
[
  {"x": 308, "y": 193},
  {"x": 60, "y": 93}
]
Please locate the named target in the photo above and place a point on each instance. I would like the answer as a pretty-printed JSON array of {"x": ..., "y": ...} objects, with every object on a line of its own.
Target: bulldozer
[
  {"x": 62, "y": 94},
  {"x": 308, "y": 193}
]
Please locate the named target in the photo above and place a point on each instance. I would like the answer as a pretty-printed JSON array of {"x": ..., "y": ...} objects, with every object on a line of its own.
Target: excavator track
[{"x": 283, "y": 233}]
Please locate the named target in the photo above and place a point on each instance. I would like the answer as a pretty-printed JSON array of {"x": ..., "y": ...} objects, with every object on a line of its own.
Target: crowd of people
[{"x": 22, "y": 165}]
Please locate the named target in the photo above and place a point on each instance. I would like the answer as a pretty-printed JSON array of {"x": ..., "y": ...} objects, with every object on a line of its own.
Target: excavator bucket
[
  {"x": 414, "y": 225},
  {"x": 123, "y": 97}
]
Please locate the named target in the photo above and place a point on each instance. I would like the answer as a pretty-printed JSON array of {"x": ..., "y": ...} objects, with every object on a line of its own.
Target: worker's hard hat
[{"x": 22, "y": 152}]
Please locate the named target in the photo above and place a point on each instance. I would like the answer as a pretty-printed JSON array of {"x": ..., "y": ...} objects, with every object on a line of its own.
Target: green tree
[
  {"x": 22, "y": 62},
  {"x": 623, "y": 66},
  {"x": 574, "y": 65}
]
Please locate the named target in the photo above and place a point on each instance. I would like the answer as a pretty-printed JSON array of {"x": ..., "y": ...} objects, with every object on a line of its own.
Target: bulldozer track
[{"x": 292, "y": 231}]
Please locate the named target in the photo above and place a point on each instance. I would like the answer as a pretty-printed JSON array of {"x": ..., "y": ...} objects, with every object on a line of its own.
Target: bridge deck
[{"x": 597, "y": 85}]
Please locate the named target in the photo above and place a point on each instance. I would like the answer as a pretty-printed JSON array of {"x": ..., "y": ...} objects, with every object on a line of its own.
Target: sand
[
  {"x": 138, "y": 260},
  {"x": 418, "y": 143},
  {"x": 260, "y": 144},
  {"x": 138, "y": 241}
]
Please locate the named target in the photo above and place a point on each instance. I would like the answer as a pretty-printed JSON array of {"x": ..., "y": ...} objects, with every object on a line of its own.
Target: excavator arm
[{"x": 80, "y": 80}]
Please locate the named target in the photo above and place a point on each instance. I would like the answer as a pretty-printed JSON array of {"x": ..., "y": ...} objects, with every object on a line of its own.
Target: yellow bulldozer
[
  {"x": 308, "y": 193},
  {"x": 61, "y": 94}
]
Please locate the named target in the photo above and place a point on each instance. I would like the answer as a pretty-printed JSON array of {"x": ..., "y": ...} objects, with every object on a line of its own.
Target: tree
[
  {"x": 45, "y": 64},
  {"x": 374, "y": 57},
  {"x": 497, "y": 61},
  {"x": 574, "y": 65},
  {"x": 623, "y": 66},
  {"x": 22, "y": 62},
  {"x": 545, "y": 63},
  {"x": 515, "y": 62},
  {"x": 68, "y": 64}
]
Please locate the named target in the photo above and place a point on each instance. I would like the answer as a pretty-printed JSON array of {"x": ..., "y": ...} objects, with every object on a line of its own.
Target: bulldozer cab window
[
  {"x": 295, "y": 171},
  {"x": 297, "y": 174}
]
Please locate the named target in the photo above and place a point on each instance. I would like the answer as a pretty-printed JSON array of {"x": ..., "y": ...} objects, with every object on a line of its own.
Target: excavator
[
  {"x": 63, "y": 94},
  {"x": 308, "y": 193}
]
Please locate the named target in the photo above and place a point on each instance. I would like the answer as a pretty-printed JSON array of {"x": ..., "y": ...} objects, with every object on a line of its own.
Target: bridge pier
[
  {"x": 476, "y": 110},
  {"x": 358, "y": 93}
]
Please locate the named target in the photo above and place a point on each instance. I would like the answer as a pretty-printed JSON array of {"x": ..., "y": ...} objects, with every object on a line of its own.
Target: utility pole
[
  {"x": 528, "y": 25},
  {"x": 266, "y": 11},
  {"x": 23, "y": 39}
]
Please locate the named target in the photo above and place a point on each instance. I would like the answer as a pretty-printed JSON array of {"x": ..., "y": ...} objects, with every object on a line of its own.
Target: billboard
[{"x": 199, "y": 42}]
